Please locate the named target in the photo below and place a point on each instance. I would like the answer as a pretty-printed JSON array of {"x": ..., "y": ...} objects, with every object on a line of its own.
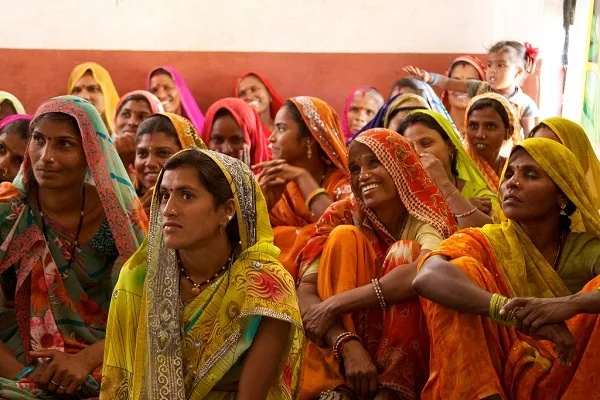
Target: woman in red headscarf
[
  {"x": 255, "y": 90},
  {"x": 233, "y": 128}
]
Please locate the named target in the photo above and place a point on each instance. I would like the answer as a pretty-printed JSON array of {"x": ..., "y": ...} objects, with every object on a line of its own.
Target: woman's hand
[
  {"x": 435, "y": 169},
  {"x": 279, "y": 168},
  {"x": 417, "y": 73},
  {"x": 483, "y": 204},
  {"x": 63, "y": 373},
  {"x": 532, "y": 313},
  {"x": 244, "y": 155},
  {"x": 125, "y": 145},
  {"x": 317, "y": 320},
  {"x": 359, "y": 370},
  {"x": 561, "y": 336}
]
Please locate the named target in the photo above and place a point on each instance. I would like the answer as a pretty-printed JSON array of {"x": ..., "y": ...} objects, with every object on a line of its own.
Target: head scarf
[
  {"x": 345, "y": 122},
  {"x": 189, "y": 107},
  {"x": 398, "y": 102},
  {"x": 323, "y": 123},
  {"x": 13, "y": 100},
  {"x": 473, "y": 62},
  {"x": 255, "y": 286},
  {"x": 102, "y": 77},
  {"x": 574, "y": 138},
  {"x": 249, "y": 123},
  {"x": 12, "y": 118},
  {"x": 276, "y": 100},
  {"x": 514, "y": 132},
  {"x": 24, "y": 245},
  {"x": 155, "y": 104},
  {"x": 526, "y": 271}
]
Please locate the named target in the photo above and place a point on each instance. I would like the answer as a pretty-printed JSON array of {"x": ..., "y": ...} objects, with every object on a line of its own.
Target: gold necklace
[{"x": 196, "y": 286}]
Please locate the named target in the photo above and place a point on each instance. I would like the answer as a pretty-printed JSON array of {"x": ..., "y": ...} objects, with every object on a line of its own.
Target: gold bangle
[
  {"x": 466, "y": 214},
  {"x": 342, "y": 337},
  {"x": 311, "y": 197},
  {"x": 379, "y": 293},
  {"x": 451, "y": 194},
  {"x": 496, "y": 303}
]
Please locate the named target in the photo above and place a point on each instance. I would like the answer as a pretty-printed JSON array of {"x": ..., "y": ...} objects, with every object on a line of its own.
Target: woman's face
[
  {"x": 87, "y": 88},
  {"x": 131, "y": 115},
  {"x": 57, "y": 156},
  {"x": 152, "y": 152},
  {"x": 544, "y": 132},
  {"x": 226, "y": 136},
  {"x": 284, "y": 139},
  {"x": 255, "y": 93},
  {"x": 184, "y": 202},
  {"x": 6, "y": 109},
  {"x": 486, "y": 132},
  {"x": 163, "y": 87},
  {"x": 363, "y": 108},
  {"x": 395, "y": 122},
  {"x": 427, "y": 140},
  {"x": 527, "y": 192},
  {"x": 462, "y": 72},
  {"x": 12, "y": 152},
  {"x": 369, "y": 179}
]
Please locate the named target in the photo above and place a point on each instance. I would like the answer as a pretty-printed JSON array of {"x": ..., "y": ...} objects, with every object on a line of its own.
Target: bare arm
[
  {"x": 460, "y": 205},
  {"x": 9, "y": 365},
  {"x": 307, "y": 185},
  {"x": 263, "y": 359},
  {"x": 443, "y": 82},
  {"x": 527, "y": 124}
]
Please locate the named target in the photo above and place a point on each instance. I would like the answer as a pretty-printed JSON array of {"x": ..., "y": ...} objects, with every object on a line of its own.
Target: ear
[
  {"x": 562, "y": 199},
  {"x": 228, "y": 208},
  {"x": 520, "y": 72}
]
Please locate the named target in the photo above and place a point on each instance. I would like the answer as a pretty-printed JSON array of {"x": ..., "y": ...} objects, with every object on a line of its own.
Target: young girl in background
[{"x": 508, "y": 64}]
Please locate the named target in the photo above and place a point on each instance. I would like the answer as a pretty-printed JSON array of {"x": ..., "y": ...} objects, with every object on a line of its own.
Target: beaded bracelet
[
  {"x": 341, "y": 339},
  {"x": 496, "y": 303},
  {"x": 435, "y": 78},
  {"x": 466, "y": 214},
  {"x": 378, "y": 292},
  {"x": 311, "y": 197},
  {"x": 26, "y": 371}
]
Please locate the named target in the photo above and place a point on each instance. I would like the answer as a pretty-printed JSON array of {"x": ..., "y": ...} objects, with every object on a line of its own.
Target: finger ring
[
  {"x": 54, "y": 383},
  {"x": 63, "y": 388}
]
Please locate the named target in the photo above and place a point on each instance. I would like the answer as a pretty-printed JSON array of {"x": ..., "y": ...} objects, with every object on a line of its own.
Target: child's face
[{"x": 501, "y": 72}]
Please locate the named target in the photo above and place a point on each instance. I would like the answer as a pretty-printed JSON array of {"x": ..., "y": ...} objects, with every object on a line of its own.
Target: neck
[
  {"x": 544, "y": 234},
  {"x": 392, "y": 216},
  {"x": 458, "y": 116},
  {"x": 509, "y": 91},
  {"x": 265, "y": 118},
  {"x": 494, "y": 160},
  {"x": 60, "y": 201},
  {"x": 213, "y": 252}
]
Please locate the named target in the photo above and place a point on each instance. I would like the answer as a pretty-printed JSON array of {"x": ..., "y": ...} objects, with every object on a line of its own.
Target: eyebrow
[
  {"x": 58, "y": 137},
  {"x": 177, "y": 188}
]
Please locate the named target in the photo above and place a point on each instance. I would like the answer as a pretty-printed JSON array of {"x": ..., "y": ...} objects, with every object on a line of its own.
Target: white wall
[{"x": 387, "y": 26}]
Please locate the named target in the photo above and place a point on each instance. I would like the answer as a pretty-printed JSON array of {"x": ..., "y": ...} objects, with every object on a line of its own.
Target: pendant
[
  {"x": 64, "y": 275},
  {"x": 195, "y": 290}
]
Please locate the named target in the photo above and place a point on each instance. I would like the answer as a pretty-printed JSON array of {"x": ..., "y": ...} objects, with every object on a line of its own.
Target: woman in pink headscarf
[
  {"x": 232, "y": 127},
  {"x": 463, "y": 67},
  {"x": 167, "y": 84},
  {"x": 361, "y": 106}
]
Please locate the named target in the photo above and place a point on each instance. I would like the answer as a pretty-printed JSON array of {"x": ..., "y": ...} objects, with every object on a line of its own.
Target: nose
[
  {"x": 134, "y": 121},
  {"x": 227, "y": 148},
  {"x": 360, "y": 116},
  {"x": 169, "y": 209},
  {"x": 481, "y": 132},
  {"x": 47, "y": 154},
  {"x": 512, "y": 183},
  {"x": 418, "y": 148},
  {"x": 84, "y": 94},
  {"x": 272, "y": 138},
  {"x": 161, "y": 94}
]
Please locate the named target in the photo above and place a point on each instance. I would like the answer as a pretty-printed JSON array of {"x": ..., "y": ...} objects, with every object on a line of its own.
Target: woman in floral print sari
[{"x": 68, "y": 222}]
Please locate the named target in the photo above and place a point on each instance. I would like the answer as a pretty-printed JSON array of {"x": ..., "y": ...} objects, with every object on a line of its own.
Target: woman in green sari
[
  {"x": 67, "y": 223},
  {"x": 227, "y": 327}
]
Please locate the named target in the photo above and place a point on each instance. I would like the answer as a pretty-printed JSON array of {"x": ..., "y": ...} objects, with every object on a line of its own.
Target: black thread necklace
[
  {"x": 196, "y": 286},
  {"x": 65, "y": 274}
]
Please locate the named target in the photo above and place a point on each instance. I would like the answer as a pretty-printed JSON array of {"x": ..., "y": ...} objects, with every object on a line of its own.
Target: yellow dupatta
[
  {"x": 144, "y": 351},
  {"x": 527, "y": 273}
]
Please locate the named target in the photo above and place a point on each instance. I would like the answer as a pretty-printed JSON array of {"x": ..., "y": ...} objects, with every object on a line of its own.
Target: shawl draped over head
[
  {"x": 276, "y": 100},
  {"x": 472, "y": 61},
  {"x": 155, "y": 104},
  {"x": 345, "y": 122},
  {"x": 102, "y": 77},
  {"x": 144, "y": 356},
  {"x": 189, "y": 107},
  {"x": 574, "y": 138},
  {"x": 12, "y": 118},
  {"x": 13, "y": 100},
  {"x": 67, "y": 309},
  {"x": 398, "y": 102},
  {"x": 249, "y": 123},
  {"x": 527, "y": 272}
]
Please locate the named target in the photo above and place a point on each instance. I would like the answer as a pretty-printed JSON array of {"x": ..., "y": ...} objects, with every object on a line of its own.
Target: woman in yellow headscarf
[
  {"x": 481, "y": 345},
  {"x": 204, "y": 311},
  {"x": 9, "y": 105},
  {"x": 93, "y": 83},
  {"x": 574, "y": 138}
]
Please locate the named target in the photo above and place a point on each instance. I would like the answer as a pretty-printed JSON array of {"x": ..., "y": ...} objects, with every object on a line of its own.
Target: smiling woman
[{"x": 256, "y": 90}]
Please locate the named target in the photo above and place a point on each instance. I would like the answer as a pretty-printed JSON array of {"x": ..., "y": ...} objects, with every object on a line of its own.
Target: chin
[{"x": 174, "y": 241}]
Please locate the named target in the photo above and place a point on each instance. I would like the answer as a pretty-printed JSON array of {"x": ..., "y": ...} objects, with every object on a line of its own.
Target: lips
[
  {"x": 151, "y": 176},
  {"x": 511, "y": 198},
  {"x": 171, "y": 225},
  {"x": 367, "y": 188},
  {"x": 480, "y": 146}
]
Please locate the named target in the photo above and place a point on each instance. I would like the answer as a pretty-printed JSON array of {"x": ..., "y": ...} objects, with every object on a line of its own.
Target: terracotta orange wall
[{"x": 36, "y": 75}]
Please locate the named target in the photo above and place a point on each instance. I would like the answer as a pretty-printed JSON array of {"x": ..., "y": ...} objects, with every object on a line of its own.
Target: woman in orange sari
[
  {"x": 490, "y": 123},
  {"x": 362, "y": 255},
  {"x": 487, "y": 346},
  {"x": 308, "y": 172}
]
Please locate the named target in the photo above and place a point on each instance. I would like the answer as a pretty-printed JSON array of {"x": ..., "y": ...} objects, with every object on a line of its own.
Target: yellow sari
[{"x": 157, "y": 348}]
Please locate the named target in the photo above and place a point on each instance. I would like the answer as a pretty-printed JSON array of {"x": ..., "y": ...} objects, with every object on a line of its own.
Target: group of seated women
[{"x": 270, "y": 250}]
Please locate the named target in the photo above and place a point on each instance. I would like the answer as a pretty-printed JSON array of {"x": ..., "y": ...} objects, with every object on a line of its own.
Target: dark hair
[
  {"x": 56, "y": 116},
  {"x": 460, "y": 64},
  {"x": 516, "y": 52},
  {"x": 160, "y": 71},
  {"x": 564, "y": 221},
  {"x": 482, "y": 104},
  {"x": 212, "y": 179},
  {"x": 222, "y": 112},
  {"x": 431, "y": 123},
  {"x": 397, "y": 110},
  {"x": 303, "y": 131},
  {"x": 133, "y": 97},
  {"x": 409, "y": 83},
  {"x": 20, "y": 126},
  {"x": 537, "y": 128},
  {"x": 158, "y": 123}
]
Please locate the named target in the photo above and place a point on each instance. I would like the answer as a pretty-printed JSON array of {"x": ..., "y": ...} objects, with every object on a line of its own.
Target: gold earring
[
  {"x": 562, "y": 209},
  {"x": 308, "y": 149}
]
